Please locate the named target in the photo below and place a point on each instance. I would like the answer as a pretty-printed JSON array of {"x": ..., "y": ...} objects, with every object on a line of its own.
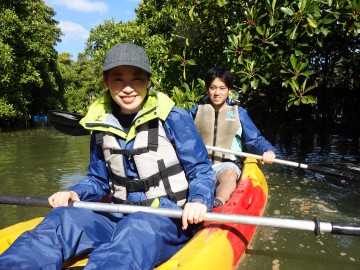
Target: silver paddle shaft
[
  {"x": 243, "y": 154},
  {"x": 306, "y": 225}
]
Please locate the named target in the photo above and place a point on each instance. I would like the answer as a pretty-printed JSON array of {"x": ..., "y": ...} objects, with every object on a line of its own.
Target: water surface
[{"x": 38, "y": 162}]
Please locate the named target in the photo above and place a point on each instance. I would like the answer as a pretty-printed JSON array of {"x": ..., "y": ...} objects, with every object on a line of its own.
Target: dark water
[
  {"x": 305, "y": 194},
  {"x": 39, "y": 162}
]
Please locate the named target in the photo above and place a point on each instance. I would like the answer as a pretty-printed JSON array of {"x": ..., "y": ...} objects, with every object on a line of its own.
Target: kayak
[
  {"x": 216, "y": 245},
  {"x": 222, "y": 246}
]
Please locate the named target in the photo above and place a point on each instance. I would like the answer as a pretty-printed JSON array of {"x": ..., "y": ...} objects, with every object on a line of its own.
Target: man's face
[
  {"x": 218, "y": 93},
  {"x": 128, "y": 87}
]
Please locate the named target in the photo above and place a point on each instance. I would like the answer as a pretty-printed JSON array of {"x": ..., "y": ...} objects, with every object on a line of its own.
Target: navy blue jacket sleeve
[
  {"x": 193, "y": 156},
  {"x": 95, "y": 185},
  {"x": 251, "y": 136}
]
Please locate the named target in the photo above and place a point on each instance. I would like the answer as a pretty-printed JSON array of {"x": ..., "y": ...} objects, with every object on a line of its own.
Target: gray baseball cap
[{"x": 126, "y": 54}]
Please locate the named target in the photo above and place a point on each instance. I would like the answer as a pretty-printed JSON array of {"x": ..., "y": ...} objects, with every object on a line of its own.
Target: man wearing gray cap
[{"x": 143, "y": 151}]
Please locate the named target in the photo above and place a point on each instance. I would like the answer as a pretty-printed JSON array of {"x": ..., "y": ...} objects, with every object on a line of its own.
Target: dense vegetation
[
  {"x": 30, "y": 81},
  {"x": 291, "y": 58}
]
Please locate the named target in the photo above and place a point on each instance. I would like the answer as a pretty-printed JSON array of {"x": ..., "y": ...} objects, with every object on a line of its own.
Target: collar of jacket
[{"x": 100, "y": 117}]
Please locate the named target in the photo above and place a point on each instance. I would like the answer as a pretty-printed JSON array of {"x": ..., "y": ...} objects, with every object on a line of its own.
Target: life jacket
[
  {"x": 221, "y": 129},
  {"x": 159, "y": 169}
]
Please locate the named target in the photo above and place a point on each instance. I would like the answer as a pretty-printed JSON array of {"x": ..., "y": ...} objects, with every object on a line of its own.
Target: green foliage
[
  {"x": 278, "y": 50},
  {"x": 284, "y": 54},
  {"x": 28, "y": 74},
  {"x": 81, "y": 82},
  {"x": 188, "y": 98}
]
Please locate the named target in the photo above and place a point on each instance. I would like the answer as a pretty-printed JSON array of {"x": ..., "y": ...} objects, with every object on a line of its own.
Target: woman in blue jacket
[
  {"x": 144, "y": 151},
  {"x": 228, "y": 126}
]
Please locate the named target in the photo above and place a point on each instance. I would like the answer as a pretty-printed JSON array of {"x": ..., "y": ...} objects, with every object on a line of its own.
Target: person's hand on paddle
[
  {"x": 62, "y": 198},
  {"x": 193, "y": 213},
  {"x": 268, "y": 157}
]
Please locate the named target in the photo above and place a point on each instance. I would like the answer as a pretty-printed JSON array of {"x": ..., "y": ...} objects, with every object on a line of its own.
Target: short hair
[{"x": 222, "y": 73}]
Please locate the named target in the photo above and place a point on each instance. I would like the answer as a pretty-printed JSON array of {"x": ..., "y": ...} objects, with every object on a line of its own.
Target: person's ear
[
  {"x": 149, "y": 83},
  {"x": 105, "y": 80}
]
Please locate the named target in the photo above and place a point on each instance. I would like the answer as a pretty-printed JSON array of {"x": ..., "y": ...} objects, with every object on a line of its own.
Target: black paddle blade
[
  {"x": 348, "y": 172},
  {"x": 67, "y": 123}
]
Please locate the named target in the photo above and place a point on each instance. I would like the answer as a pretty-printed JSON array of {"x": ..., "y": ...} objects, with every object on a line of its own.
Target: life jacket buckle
[{"x": 137, "y": 185}]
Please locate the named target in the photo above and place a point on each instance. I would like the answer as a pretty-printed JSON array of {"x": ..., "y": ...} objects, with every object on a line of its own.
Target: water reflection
[{"x": 36, "y": 163}]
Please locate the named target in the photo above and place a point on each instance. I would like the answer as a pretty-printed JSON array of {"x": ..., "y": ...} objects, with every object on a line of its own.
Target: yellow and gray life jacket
[
  {"x": 221, "y": 129},
  {"x": 159, "y": 169}
]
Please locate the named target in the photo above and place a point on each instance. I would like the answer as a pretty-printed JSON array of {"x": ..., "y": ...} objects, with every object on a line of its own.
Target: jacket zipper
[{"x": 215, "y": 132}]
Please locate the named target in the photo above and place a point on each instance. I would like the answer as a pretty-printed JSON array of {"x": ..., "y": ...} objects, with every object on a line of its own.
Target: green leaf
[
  {"x": 244, "y": 88},
  {"x": 303, "y": 86},
  {"x": 307, "y": 73},
  {"x": 312, "y": 22},
  {"x": 191, "y": 62},
  {"x": 260, "y": 30},
  {"x": 298, "y": 53},
  {"x": 311, "y": 99},
  {"x": 304, "y": 100},
  {"x": 272, "y": 21},
  {"x": 293, "y": 33},
  {"x": 327, "y": 21},
  {"x": 222, "y": 3},
  {"x": 287, "y": 11},
  {"x": 176, "y": 58},
  {"x": 302, "y": 5},
  {"x": 324, "y": 31},
  {"x": 263, "y": 80},
  {"x": 254, "y": 83},
  {"x": 273, "y": 5},
  {"x": 293, "y": 61},
  {"x": 191, "y": 13}
]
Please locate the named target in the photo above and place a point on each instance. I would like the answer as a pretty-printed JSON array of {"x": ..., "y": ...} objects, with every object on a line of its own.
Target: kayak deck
[{"x": 216, "y": 245}]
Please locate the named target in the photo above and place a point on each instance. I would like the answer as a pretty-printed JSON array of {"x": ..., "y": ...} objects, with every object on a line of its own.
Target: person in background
[
  {"x": 143, "y": 151},
  {"x": 226, "y": 125}
]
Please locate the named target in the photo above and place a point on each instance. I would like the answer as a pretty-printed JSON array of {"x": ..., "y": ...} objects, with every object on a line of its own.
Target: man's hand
[
  {"x": 193, "y": 213},
  {"x": 268, "y": 157},
  {"x": 62, "y": 198}
]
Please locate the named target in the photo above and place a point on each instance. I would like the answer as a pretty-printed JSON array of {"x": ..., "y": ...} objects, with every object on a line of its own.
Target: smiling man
[{"x": 228, "y": 126}]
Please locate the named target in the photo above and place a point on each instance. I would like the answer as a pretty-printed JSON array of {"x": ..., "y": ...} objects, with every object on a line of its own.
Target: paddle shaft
[
  {"x": 351, "y": 174},
  {"x": 243, "y": 154},
  {"x": 307, "y": 225}
]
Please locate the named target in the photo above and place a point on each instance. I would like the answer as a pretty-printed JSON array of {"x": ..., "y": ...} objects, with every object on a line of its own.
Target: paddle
[
  {"x": 68, "y": 123},
  {"x": 351, "y": 173},
  {"x": 306, "y": 225}
]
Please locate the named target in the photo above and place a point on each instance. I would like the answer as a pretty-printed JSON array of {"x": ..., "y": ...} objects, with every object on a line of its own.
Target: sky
[{"x": 77, "y": 17}]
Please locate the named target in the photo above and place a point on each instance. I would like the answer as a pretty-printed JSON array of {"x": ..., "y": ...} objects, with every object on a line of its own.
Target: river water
[{"x": 38, "y": 162}]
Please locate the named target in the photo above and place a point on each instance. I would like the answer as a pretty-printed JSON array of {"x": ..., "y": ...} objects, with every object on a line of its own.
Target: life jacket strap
[
  {"x": 153, "y": 141},
  {"x": 166, "y": 182},
  {"x": 181, "y": 195},
  {"x": 144, "y": 185}
]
